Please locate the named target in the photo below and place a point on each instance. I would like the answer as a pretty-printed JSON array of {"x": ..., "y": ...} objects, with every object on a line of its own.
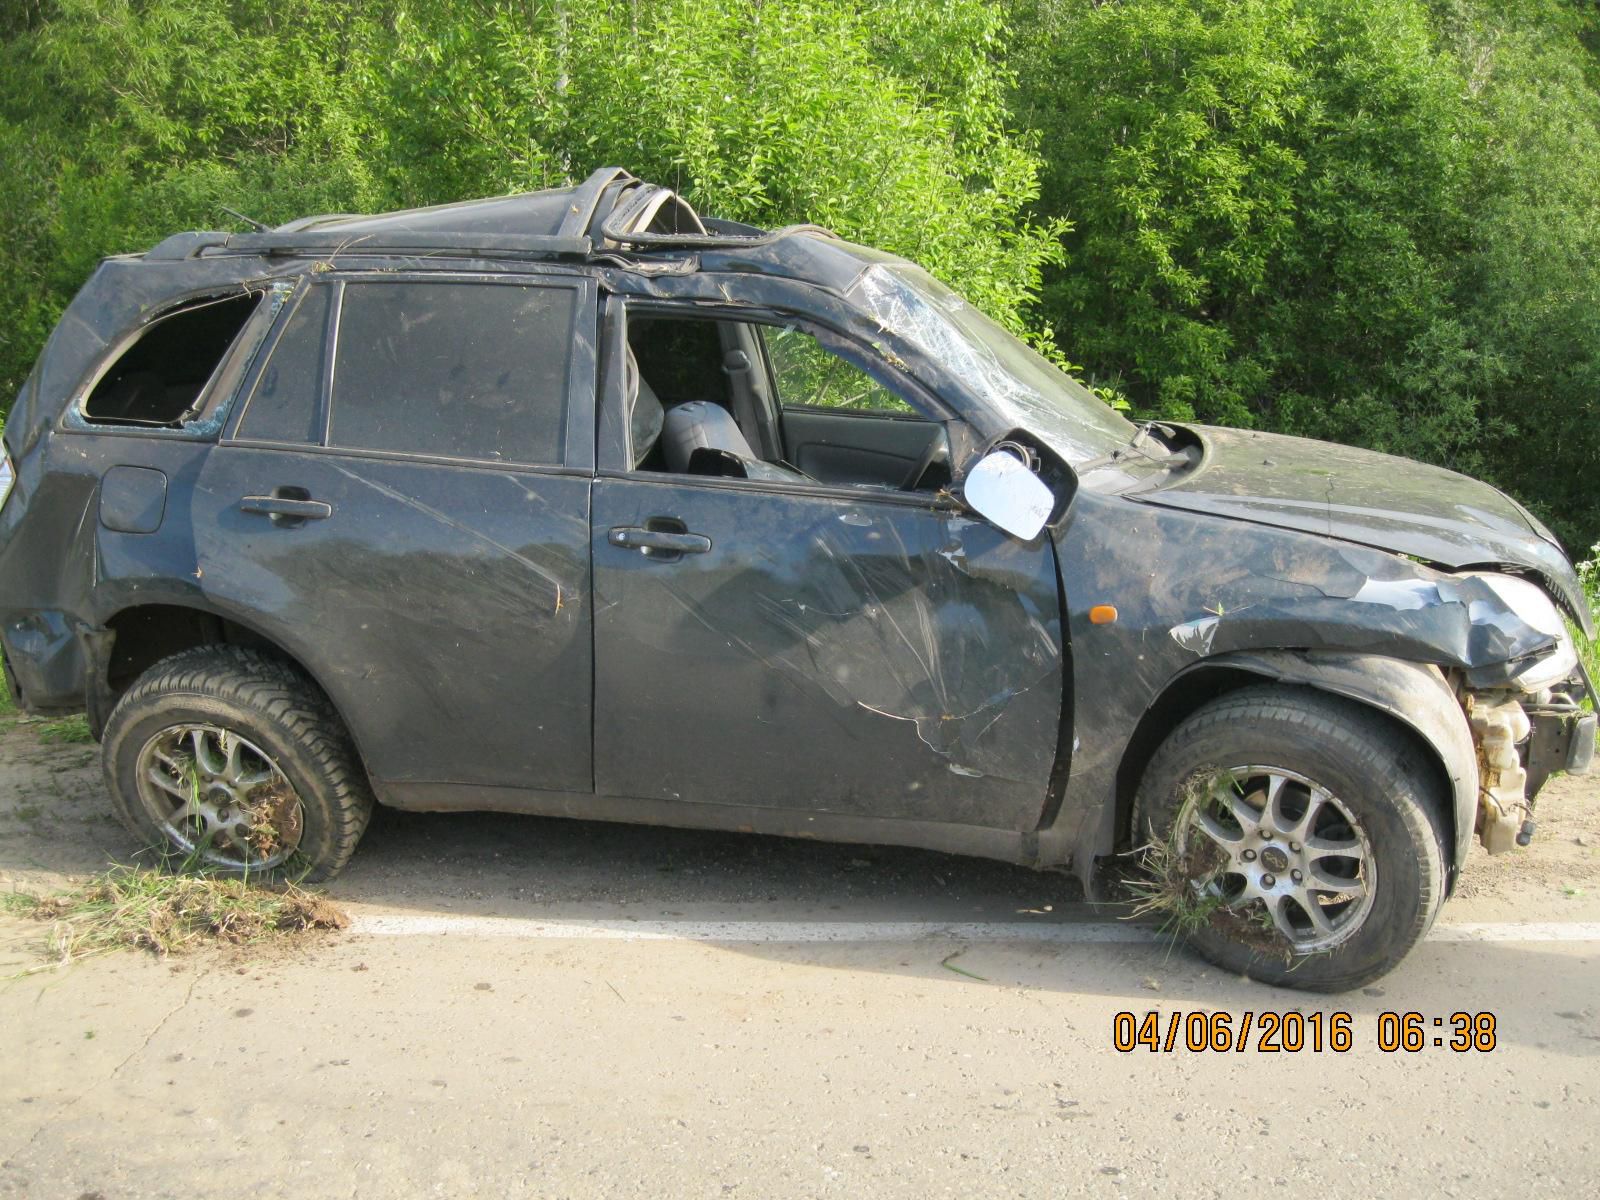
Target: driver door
[{"x": 822, "y": 647}]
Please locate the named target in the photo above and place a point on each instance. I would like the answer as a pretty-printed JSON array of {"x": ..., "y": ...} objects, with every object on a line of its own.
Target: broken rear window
[{"x": 161, "y": 379}]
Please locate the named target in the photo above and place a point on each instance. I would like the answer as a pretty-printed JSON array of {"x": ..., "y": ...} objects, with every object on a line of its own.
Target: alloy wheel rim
[
  {"x": 1284, "y": 845},
  {"x": 219, "y": 797}
]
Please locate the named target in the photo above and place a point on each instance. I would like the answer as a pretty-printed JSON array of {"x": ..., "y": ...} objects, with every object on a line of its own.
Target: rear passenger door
[{"x": 403, "y": 501}]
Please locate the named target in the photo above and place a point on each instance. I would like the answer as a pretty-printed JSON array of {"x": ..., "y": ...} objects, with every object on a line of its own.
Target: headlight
[
  {"x": 1530, "y": 602},
  {"x": 7, "y": 477}
]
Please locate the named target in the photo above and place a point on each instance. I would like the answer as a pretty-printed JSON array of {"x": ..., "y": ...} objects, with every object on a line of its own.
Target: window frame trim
[
  {"x": 250, "y": 385},
  {"x": 611, "y": 452}
]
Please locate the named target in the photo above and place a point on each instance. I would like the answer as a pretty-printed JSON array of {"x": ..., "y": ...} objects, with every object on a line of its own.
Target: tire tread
[
  {"x": 1370, "y": 744},
  {"x": 281, "y": 693}
]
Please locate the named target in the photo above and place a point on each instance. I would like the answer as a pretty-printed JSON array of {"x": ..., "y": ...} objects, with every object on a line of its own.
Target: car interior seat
[
  {"x": 701, "y": 425},
  {"x": 645, "y": 413}
]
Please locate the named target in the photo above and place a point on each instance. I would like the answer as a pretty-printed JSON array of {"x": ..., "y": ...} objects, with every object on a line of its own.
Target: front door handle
[
  {"x": 289, "y": 506},
  {"x": 659, "y": 540}
]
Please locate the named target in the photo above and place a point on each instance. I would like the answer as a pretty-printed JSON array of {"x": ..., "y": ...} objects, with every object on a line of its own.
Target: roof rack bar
[
  {"x": 317, "y": 241},
  {"x": 299, "y": 223},
  {"x": 580, "y": 214}
]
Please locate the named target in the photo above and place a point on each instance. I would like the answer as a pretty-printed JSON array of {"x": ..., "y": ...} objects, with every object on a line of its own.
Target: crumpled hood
[{"x": 1371, "y": 499}]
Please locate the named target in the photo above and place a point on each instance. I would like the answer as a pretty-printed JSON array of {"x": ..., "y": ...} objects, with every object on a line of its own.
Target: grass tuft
[
  {"x": 8, "y": 710},
  {"x": 1172, "y": 883},
  {"x": 66, "y": 731},
  {"x": 145, "y": 909},
  {"x": 1589, "y": 576}
]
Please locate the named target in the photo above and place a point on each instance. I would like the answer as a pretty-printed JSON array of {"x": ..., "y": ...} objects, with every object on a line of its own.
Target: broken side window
[
  {"x": 162, "y": 379},
  {"x": 456, "y": 370}
]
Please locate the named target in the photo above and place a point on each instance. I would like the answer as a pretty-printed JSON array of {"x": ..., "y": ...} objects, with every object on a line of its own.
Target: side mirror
[{"x": 1005, "y": 492}]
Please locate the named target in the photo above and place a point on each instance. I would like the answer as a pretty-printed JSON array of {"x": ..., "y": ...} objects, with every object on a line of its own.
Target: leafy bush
[
  {"x": 1589, "y": 573},
  {"x": 1375, "y": 221}
]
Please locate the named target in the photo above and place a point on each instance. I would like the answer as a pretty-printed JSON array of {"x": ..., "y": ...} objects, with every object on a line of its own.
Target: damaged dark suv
[{"x": 576, "y": 503}]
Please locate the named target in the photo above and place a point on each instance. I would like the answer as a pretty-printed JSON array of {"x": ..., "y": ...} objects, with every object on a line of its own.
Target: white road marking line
[
  {"x": 1513, "y": 931},
  {"x": 748, "y": 931},
  {"x": 1109, "y": 931}
]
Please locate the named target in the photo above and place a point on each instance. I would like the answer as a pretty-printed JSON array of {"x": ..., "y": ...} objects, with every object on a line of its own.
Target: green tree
[
  {"x": 1366, "y": 220},
  {"x": 1264, "y": 193},
  {"x": 1529, "y": 291},
  {"x": 885, "y": 120}
]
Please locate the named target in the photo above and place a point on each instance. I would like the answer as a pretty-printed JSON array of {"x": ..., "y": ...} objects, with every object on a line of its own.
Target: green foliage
[
  {"x": 1589, "y": 575},
  {"x": 1264, "y": 193},
  {"x": 807, "y": 374},
  {"x": 884, "y": 120},
  {"x": 1365, "y": 220},
  {"x": 1529, "y": 291},
  {"x": 66, "y": 731},
  {"x": 767, "y": 113},
  {"x": 1370, "y": 220}
]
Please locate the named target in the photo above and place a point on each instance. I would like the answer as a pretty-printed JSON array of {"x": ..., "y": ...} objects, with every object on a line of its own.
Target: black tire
[
  {"x": 1376, "y": 771},
  {"x": 275, "y": 707}
]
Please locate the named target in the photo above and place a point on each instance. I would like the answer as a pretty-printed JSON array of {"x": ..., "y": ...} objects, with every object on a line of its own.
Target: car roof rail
[
  {"x": 185, "y": 245},
  {"x": 563, "y": 222},
  {"x": 641, "y": 209},
  {"x": 468, "y": 245},
  {"x": 586, "y": 199}
]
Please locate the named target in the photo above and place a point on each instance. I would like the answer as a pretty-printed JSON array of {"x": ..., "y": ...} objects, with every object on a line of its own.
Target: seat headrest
[{"x": 699, "y": 423}]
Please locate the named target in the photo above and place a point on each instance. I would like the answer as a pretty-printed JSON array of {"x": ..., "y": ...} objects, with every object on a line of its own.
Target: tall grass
[
  {"x": 1589, "y": 573},
  {"x": 7, "y": 709}
]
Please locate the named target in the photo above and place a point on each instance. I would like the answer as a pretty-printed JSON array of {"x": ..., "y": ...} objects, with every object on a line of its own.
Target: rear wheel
[
  {"x": 233, "y": 762},
  {"x": 1294, "y": 838}
]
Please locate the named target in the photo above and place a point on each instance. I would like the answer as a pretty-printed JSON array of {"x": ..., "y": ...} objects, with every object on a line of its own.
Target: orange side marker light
[{"x": 1102, "y": 614}]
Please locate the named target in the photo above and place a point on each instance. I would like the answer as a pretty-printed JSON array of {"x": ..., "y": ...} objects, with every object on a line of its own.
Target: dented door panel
[
  {"x": 445, "y": 606},
  {"x": 827, "y": 654}
]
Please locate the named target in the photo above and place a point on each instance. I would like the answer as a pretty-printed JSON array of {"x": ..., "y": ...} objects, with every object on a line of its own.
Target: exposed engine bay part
[{"x": 1503, "y": 807}]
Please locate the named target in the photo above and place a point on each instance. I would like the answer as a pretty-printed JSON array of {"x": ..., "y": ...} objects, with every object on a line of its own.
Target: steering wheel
[{"x": 936, "y": 456}]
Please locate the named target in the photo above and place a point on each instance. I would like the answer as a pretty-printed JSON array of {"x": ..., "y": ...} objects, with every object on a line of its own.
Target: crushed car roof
[{"x": 609, "y": 212}]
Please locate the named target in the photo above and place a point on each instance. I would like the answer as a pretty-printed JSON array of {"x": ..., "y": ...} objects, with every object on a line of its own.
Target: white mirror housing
[{"x": 1002, "y": 490}]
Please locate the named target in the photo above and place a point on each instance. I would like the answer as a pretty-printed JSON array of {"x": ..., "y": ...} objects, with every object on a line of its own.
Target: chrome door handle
[{"x": 288, "y": 506}]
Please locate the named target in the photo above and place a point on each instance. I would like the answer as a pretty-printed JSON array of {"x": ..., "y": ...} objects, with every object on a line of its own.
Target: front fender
[{"x": 1188, "y": 592}]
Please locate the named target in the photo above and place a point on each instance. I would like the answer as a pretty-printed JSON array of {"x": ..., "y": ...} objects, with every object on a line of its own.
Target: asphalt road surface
[{"x": 540, "y": 1008}]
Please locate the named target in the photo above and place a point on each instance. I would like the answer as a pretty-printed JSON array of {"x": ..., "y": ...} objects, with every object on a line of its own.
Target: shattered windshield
[{"x": 1027, "y": 388}]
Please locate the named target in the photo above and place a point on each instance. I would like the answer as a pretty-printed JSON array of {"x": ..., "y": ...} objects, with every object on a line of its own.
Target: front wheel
[
  {"x": 1294, "y": 838},
  {"x": 234, "y": 763}
]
